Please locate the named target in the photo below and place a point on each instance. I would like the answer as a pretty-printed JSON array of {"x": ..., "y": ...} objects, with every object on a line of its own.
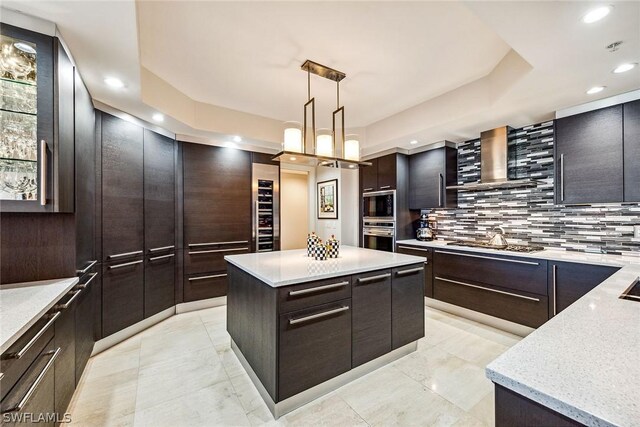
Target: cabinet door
[
  {"x": 85, "y": 171},
  {"x": 122, "y": 188},
  {"x": 159, "y": 283},
  {"x": 589, "y": 160},
  {"x": 85, "y": 320},
  {"x": 428, "y": 265},
  {"x": 369, "y": 177},
  {"x": 387, "y": 172},
  {"x": 314, "y": 345},
  {"x": 631, "y": 111},
  {"x": 371, "y": 316},
  {"x": 65, "y": 364},
  {"x": 159, "y": 191},
  {"x": 122, "y": 295},
  {"x": 217, "y": 194},
  {"x": 407, "y": 304},
  {"x": 426, "y": 179},
  {"x": 203, "y": 286},
  {"x": 570, "y": 281}
]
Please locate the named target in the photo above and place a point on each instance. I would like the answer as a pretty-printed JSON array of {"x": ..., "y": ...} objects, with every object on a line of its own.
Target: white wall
[
  {"x": 345, "y": 228},
  {"x": 294, "y": 209}
]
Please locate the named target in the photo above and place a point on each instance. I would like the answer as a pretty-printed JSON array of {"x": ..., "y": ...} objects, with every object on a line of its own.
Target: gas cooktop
[{"x": 509, "y": 248}]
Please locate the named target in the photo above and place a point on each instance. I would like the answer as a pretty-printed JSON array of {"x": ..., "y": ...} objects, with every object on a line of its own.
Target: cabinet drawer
[
  {"x": 298, "y": 297},
  {"x": 314, "y": 346},
  {"x": 17, "y": 359},
  {"x": 428, "y": 265},
  {"x": 203, "y": 286},
  {"x": 520, "y": 274},
  {"x": 65, "y": 364},
  {"x": 203, "y": 258},
  {"x": 407, "y": 304},
  {"x": 515, "y": 306},
  {"x": 159, "y": 283},
  {"x": 371, "y": 317},
  {"x": 122, "y": 295}
]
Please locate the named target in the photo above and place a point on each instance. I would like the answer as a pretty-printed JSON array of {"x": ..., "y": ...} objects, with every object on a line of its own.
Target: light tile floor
[{"x": 182, "y": 372}]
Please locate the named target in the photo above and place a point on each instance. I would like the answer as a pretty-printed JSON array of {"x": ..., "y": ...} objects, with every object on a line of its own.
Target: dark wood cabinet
[
  {"x": 305, "y": 295},
  {"x": 159, "y": 283},
  {"x": 314, "y": 346},
  {"x": 387, "y": 170},
  {"x": 589, "y": 157},
  {"x": 369, "y": 177},
  {"x": 568, "y": 282},
  {"x": 631, "y": 120},
  {"x": 65, "y": 340},
  {"x": 407, "y": 304},
  {"x": 203, "y": 286},
  {"x": 122, "y": 189},
  {"x": 371, "y": 316},
  {"x": 428, "y": 265},
  {"x": 122, "y": 295},
  {"x": 430, "y": 172},
  {"x": 85, "y": 313}
]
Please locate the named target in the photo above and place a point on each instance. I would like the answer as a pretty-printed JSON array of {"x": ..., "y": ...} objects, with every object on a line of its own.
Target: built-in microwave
[{"x": 379, "y": 205}]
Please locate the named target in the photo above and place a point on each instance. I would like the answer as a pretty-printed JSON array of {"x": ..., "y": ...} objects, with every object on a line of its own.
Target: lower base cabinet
[
  {"x": 122, "y": 295},
  {"x": 65, "y": 340},
  {"x": 371, "y": 317},
  {"x": 203, "y": 286},
  {"x": 407, "y": 305},
  {"x": 159, "y": 283},
  {"x": 428, "y": 265},
  {"x": 86, "y": 308}
]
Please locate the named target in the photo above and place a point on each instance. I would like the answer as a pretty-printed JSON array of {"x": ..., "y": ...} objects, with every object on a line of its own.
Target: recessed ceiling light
[
  {"x": 113, "y": 82},
  {"x": 596, "y": 14},
  {"x": 293, "y": 159},
  {"x": 237, "y": 139},
  {"x": 624, "y": 67},
  {"x": 413, "y": 142},
  {"x": 25, "y": 47},
  {"x": 595, "y": 89},
  {"x": 158, "y": 117}
]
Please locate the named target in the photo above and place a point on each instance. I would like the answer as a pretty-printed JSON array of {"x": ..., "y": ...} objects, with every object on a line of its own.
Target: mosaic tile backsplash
[{"x": 529, "y": 215}]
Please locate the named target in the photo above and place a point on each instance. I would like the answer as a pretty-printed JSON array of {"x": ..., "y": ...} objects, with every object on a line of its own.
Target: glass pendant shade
[
  {"x": 292, "y": 137},
  {"x": 324, "y": 143},
  {"x": 352, "y": 148}
]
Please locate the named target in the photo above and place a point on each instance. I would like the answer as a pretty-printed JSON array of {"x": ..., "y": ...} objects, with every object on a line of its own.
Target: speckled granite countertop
[
  {"x": 22, "y": 304},
  {"x": 584, "y": 362}
]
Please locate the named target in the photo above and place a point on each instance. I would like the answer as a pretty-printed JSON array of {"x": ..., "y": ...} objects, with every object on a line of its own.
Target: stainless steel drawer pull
[
  {"x": 126, "y": 264},
  {"x": 367, "y": 189},
  {"x": 410, "y": 271},
  {"x": 85, "y": 284},
  {"x": 60, "y": 307},
  {"x": 317, "y": 315},
  {"x": 87, "y": 268},
  {"x": 373, "y": 278},
  {"x": 318, "y": 289},
  {"x": 488, "y": 289},
  {"x": 124, "y": 254},
  {"x": 213, "y": 276},
  {"x": 562, "y": 177},
  {"x": 554, "y": 283},
  {"x": 237, "y": 242},
  {"x": 43, "y": 172},
  {"x": 488, "y": 257},
  {"x": 32, "y": 341},
  {"x": 163, "y": 248},
  {"x": 210, "y": 251},
  {"x": 153, "y": 258},
  {"x": 413, "y": 249},
  {"x": 384, "y": 187},
  {"x": 27, "y": 396}
]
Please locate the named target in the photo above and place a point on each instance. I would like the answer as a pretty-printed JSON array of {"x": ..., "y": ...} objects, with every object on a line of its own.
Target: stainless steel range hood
[{"x": 494, "y": 164}]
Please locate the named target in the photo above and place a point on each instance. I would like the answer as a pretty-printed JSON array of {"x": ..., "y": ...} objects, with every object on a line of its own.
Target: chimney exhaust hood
[{"x": 494, "y": 164}]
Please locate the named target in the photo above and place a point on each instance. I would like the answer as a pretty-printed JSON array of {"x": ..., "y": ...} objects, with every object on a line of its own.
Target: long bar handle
[
  {"x": 154, "y": 258},
  {"x": 367, "y": 189},
  {"x": 124, "y": 254},
  {"x": 238, "y": 242},
  {"x": 488, "y": 289},
  {"x": 409, "y": 271},
  {"x": 75, "y": 295},
  {"x": 562, "y": 177},
  {"x": 317, "y": 315},
  {"x": 412, "y": 248},
  {"x": 373, "y": 278},
  {"x": 218, "y": 250},
  {"x": 257, "y": 234},
  {"x": 488, "y": 257},
  {"x": 85, "y": 284},
  {"x": 213, "y": 276},
  {"x": 554, "y": 284},
  {"x": 440, "y": 190},
  {"x": 163, "y": 248},
  {"x": 87, "y": 268},
  {"x": 384, "y": 187},
  {"x": 126, "y": 264},
  {"x": 32, "y": 341},
  {"x": 318, "y": 289},
  {"x": 27, "y": 396},
  {"x": 43, "y": 172}
]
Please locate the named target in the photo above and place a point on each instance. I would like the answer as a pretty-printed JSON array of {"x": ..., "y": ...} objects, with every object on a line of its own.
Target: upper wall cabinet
[
  {"x": 589, "y": 157},
  {"x": 37, "y": 121},
  {"x": 430, "y": 172},
  {"x": 631, "y": 118},
  {"x": 381, "y": 175}
]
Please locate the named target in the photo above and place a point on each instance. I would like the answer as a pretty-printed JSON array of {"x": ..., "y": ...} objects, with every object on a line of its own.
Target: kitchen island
[{"x": 301, "y": 327}]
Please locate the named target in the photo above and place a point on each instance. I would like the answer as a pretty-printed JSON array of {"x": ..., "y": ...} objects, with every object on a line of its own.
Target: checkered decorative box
[
  {"x": 312, "y": 241},
  {"x": 333, "y": 250},
  {"x": 320, "y": 252}
]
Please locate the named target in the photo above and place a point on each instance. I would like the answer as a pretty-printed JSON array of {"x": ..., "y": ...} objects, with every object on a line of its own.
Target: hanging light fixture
[{"x": 313, "y": 147}]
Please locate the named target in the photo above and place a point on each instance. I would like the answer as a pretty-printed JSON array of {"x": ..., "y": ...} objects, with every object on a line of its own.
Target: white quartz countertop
[
  {"x": 582, "y": 363},
  {"x": 22, "y": 304},
  {"x": 282, "y": 268}
]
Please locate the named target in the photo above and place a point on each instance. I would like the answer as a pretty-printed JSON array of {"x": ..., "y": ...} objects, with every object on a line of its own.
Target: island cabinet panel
[
  {"x": 407, "y": 304},
  {"x": 568, "y": 282},
  {"x": 314, "y": 346},
  {"x": 122, "y": 295},
  {"x": 371, "y": 316},
  {"x": 297, "y": 297},
  {"x": 428, "y": 265},
  {"x": 631, "y": 119}
]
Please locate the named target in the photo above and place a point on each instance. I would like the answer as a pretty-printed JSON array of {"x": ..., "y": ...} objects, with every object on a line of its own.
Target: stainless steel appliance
[
  {"x": 379, "y": 220},
  {"x": 265, "y": 208},
  {"x": 379, "y": 205},
  {"x": 380, "y": 235}
]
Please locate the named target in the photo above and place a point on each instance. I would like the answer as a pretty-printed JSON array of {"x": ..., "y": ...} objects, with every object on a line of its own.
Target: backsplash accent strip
[{"x": 528, "y": 214}]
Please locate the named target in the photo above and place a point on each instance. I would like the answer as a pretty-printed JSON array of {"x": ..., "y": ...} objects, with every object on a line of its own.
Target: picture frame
[{"x": 327, "y": 199}]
